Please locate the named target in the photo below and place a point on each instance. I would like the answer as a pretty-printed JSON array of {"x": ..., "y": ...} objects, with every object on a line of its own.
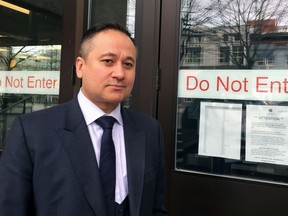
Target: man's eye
[
  {"x": 107, "y": 61},
  {"x": 128, "y": 65}
]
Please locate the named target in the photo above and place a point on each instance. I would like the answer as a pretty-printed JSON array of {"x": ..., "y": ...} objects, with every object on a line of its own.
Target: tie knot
[{"x": 106, "y": 122}]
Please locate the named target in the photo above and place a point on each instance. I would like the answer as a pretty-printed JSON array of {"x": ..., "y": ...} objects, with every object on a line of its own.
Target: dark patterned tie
[{"x": 107, "y": 156}]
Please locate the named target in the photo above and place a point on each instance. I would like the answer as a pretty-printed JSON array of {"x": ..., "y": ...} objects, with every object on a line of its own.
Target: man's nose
[{"x": 119, "y": 71}]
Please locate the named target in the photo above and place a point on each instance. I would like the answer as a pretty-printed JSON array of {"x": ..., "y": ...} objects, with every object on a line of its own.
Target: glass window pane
[
  {"x": 30, "y": 51},
  {"x": 232, "y": 101},
  {"x": 122, "y": 12}
]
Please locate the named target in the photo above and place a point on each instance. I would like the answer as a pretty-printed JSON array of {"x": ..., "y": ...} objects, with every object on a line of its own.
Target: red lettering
[
  {"x": 41, "y": 83},
  {"x": 220, "y": 82},
  {"x": 273, "y": 83},
  {"x": 259, "y": 84},
  {"x": 192, "y": 80}
]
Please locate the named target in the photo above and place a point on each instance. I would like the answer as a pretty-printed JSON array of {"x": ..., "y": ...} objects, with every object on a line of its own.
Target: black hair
[{"x": 95, "y": 29}]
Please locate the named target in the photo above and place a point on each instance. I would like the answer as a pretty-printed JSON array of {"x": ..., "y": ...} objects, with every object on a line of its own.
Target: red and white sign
[
  {"x": 266, "y": 85},
  {"x": 30, "y": 82}
]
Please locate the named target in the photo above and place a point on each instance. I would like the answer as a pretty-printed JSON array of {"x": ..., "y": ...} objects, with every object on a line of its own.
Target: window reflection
[
  {"x": 131, "y": 9},
  {"x": 222, "y": 37},
  {"x": 30, "y": 48},
  {"x": 226, "y": 33},
  {"x": 29, "y": 81},
  {"x": 30, "y": 58}
]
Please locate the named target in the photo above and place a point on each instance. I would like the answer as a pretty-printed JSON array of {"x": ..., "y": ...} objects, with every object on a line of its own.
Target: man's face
[{"x": 108, "y": 70}]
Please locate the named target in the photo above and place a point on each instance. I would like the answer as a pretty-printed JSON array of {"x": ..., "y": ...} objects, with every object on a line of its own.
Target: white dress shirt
[{"x": 92, "y": 112}]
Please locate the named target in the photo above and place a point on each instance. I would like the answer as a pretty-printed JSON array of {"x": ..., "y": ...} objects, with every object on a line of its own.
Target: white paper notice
[
  {"x": 266, "y": 134},
  {"x": 220, "y": 130}
]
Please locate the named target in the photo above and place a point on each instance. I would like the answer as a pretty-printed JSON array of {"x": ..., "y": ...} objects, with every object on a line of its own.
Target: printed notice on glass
[
  {"x": 266, "y": 134},
  {"x": 220, "y": 130}
]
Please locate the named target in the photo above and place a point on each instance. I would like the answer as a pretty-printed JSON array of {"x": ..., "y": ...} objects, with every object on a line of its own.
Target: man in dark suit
[{"x": 50, "y": 164}]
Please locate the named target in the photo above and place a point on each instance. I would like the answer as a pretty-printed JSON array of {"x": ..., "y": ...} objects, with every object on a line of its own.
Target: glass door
[
  {"x": 232, "y": 102},
  {"x": 223, "y": 106},
  {"x": 30, "y": 51}
]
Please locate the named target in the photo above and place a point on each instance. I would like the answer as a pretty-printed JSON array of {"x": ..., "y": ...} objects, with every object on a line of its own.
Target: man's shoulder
[{"x": 51, "y": 112}]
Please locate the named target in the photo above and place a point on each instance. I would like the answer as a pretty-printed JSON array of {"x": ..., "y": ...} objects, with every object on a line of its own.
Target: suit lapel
[
  {"x": 135, "y": 157},
  {"x": 77, "y": 142}
]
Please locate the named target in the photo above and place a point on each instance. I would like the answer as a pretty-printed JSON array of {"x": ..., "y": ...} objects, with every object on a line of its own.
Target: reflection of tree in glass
[
  {"x": 247, "y": 21},
  {"x": 11, "y": 57},
  {"x": 239, "y": 27}
]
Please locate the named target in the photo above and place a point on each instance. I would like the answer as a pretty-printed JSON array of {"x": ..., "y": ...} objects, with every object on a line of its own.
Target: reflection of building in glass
[
  {"x": 253, "y": 46},
  {"x": 25, "y": 58},
  {"x": 131, "y": 7},
  {"x": 272, "y": 52},
  {"x": 30, "y": 58}
]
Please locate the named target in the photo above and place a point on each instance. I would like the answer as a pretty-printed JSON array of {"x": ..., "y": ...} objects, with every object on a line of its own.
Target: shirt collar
[{"x": 91, "y": 112}]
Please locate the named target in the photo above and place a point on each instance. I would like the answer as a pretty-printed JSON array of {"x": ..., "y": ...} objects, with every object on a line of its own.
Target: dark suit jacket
[{"x": 49, "y": 168}]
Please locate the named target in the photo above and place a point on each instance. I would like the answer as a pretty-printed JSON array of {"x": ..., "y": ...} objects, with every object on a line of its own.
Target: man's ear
[{"x": 79, "y": 66}]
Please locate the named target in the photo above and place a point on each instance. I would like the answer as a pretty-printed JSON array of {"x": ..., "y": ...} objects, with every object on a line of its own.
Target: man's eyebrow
[
  {"x": 111, "y": 54},
  {"x": 131, "y": 59}
]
